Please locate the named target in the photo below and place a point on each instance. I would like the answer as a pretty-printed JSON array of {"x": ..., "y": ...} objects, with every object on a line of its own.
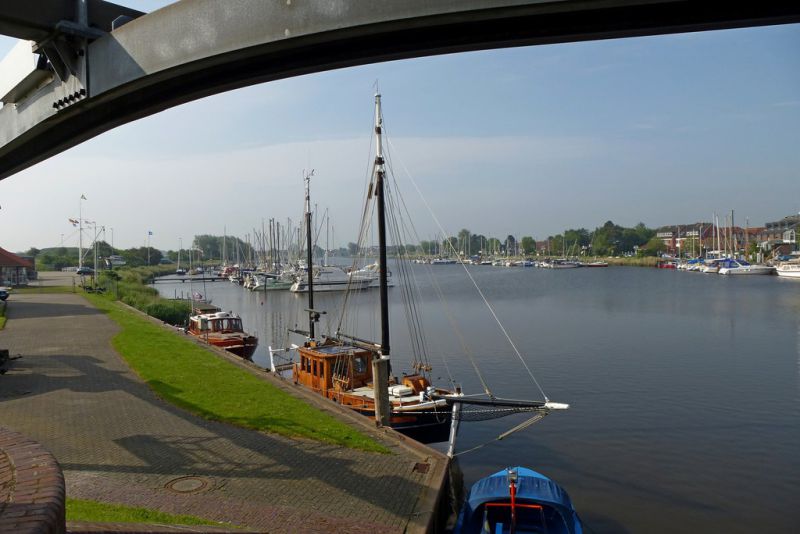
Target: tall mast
[
  {"x": 380, "y": 173},
  {"x": 309, "y": 256}
]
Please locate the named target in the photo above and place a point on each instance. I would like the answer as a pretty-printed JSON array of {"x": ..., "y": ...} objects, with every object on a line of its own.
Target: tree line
[{"x": 608, "y": 239}]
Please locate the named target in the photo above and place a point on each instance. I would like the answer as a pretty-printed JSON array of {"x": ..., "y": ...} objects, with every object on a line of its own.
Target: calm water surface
[{"x": 684, "y": 388}]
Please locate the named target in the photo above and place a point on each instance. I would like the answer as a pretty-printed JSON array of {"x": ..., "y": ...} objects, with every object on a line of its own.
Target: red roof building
[{"x": 13, "y": 269}]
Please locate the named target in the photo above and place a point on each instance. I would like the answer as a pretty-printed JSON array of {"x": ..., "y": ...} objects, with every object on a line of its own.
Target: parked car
[
  {"x": 3, "y": 293},
  {"x": 84, "y": 271}
]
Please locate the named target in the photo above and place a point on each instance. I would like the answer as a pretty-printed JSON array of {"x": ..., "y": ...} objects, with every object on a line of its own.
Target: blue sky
[{"x": 528, "y": 141}]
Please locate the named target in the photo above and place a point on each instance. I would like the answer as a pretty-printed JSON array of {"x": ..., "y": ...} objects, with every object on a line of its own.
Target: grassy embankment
[
  {"x": 92, "y": 511},
  {"x": 197, "y": 380}
]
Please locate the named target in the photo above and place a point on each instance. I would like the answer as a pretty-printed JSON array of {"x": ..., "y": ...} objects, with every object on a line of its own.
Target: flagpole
[{"x": 80, "y": 232}]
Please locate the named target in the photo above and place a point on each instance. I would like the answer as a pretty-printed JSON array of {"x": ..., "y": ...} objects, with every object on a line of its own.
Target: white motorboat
[
  {"x": 710, "y": 267},
  {"x": 372, "y": 273},
  {"x": 329, "y": 278},
  {"x": 562, "y": 263},
  {"x": 731, "y": 266},
  {"x": 788, "y": 270},
  {"x": 273, "y": 281}
]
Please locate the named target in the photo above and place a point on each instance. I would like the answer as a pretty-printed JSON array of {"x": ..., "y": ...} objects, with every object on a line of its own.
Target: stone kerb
[{"x": 32, "y": 495}]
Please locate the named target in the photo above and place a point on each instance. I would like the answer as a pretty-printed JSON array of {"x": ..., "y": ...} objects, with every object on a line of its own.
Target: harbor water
[{"x": 684, "y": 388}]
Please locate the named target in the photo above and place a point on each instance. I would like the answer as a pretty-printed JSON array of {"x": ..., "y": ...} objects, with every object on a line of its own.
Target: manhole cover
[{"x": 188, "y": 485}]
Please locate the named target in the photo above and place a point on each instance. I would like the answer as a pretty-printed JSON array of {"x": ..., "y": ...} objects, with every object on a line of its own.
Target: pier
[{"x": 174, "y": 279}]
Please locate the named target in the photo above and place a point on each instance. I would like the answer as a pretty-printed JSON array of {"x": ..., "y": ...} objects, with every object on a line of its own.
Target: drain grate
[
  {"x": 420, "y": 467},
  {"x": 189, "y": 484}
]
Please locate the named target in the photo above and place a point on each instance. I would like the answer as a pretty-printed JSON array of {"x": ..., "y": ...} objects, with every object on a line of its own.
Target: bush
[
  {"x": 170, "y": 311},
  {"x": 129, "y": 285}
]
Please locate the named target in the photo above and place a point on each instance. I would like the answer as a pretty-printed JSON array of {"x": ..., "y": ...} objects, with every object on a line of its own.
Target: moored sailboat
[{"x": 356, "y": 372}]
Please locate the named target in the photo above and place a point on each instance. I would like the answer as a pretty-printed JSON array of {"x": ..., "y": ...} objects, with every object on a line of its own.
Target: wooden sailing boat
[{"x": 355, "y": 372}]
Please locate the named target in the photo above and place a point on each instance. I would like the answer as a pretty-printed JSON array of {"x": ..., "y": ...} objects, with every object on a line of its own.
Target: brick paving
[
  {"x": 31, "y": 487},
  {"x": 117, "y": 442}
]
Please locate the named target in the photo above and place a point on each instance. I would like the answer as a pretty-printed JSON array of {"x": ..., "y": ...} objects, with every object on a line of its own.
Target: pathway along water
[{"x": 684, "y": 388}]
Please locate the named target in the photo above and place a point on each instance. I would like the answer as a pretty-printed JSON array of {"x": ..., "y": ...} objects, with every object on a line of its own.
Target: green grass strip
[
  {"x": 2, "y": 314},
  {"x": 92, "y": 511},
  {"x": 195, "y": 379},
  {"x": 45, "y": 289}
]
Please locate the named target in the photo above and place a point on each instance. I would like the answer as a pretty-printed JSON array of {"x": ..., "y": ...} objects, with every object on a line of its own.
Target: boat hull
[
  {"x": 753, "y": 270},
  {"x": 302, "y": 287},
  {"x": 788, "y": 271},
  {"x": 428, "y": 427},
  {"x": 243, "y": 347}
]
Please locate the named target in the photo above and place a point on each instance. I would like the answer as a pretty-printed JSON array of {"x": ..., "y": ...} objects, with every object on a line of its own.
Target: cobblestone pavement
[{"x": 117, "y": 442}]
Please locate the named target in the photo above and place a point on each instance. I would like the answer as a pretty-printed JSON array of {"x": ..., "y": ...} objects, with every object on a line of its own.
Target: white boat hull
[
  {"x": 752, "y": 269},
  {"x": 788, "y": 271}
]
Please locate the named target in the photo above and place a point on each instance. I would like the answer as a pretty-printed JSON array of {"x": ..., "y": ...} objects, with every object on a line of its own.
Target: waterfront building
[
  {"x": 780, "y": 238},
  {"x": 785, "y": 229},
  {"x": 14, "y": 270},
  {"x": 681, "y": 238}
]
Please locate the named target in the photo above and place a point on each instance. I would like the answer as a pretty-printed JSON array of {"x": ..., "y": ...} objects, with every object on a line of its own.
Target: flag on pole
[{"x": 83, "y": 197}]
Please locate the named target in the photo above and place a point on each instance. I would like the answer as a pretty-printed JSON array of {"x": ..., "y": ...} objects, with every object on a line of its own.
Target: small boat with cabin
[
  {"x": 223, "y": 330},
  {"x": 329, "y": 278},
  {"x": 789, "y": 269},
  {"x": 733, "y": 266},
  {"x": 519, "y": 500}
]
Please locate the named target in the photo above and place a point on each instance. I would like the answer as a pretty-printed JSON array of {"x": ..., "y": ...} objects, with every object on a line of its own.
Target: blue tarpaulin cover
[{"x": 532, "y": 487}]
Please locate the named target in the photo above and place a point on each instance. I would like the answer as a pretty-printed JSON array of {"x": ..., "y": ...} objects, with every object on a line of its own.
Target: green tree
[
  {"x": 136, "y": 257},
  {"x": 493, "y": 245},
  {"x": 654, "y": 246},
  {"x": 527, "y": 244},
  {"x": 510, "y": 245},
  {"x": 463, "y": 241},
  {"x": 451, "y": 244},
  {"x": 477, "y": 243}
]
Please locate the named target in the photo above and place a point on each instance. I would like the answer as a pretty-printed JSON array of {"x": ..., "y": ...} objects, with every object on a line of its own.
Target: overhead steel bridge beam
[{"x": 96, "y": 78}]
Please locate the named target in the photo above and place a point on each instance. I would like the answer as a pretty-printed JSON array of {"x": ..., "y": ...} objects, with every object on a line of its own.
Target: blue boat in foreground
[{"x": 518, "y": 500}]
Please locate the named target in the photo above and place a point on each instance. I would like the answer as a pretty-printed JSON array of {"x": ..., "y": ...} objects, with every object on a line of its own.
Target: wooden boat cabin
[
  {"x": 343, "y": 372},
  {"x": 224, "y": 330}
]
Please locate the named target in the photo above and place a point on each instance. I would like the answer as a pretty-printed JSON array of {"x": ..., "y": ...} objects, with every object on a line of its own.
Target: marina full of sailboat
[{"x": 348, "y": 365}]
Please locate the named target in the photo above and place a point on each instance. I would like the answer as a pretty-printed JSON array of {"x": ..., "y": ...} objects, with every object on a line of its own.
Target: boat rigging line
[{"x": 483, "y": 297}]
